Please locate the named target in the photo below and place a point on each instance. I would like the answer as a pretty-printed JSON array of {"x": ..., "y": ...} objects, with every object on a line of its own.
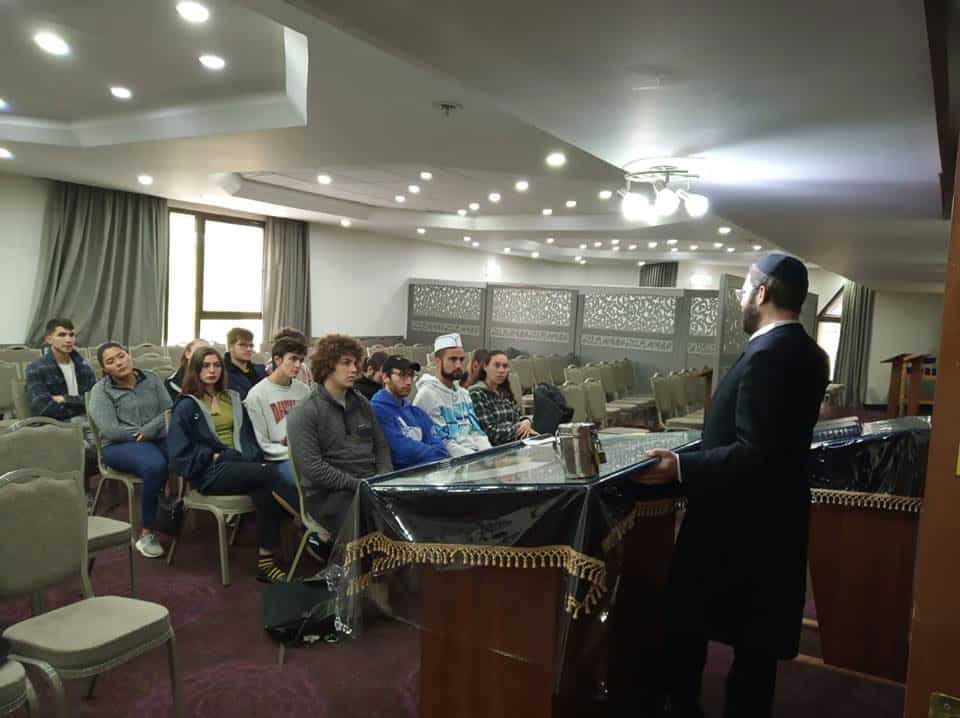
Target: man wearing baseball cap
[
  {"x": 408, "y": 429},
  {"x": 739, "y": 569}
]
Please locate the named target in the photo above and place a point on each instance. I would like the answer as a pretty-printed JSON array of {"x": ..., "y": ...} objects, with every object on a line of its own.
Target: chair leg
[
  {"x": 96, "y": 496},
  {"x": 36, "y": 603},
  {"x": 176, "y": 539},
  {"x": 33, "y": 705},
  {"x": 236, "y": 529},
  {"x": 90, "y": 689},
  {"x": 130, "y": 495},
  {"x": 133, "y": 587},
  {"x": 174, "y": 676},
  {"x": 224, "y": 555},
  {"x": 296, "y": 559},
  {"x": 56, "y": 684}
]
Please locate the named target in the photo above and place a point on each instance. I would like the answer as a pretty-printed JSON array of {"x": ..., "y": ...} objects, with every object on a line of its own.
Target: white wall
[
  {"x": 901, "y": 323},
  {"x": 358, "y": 279},
  {"x": 22, "y": 204}
]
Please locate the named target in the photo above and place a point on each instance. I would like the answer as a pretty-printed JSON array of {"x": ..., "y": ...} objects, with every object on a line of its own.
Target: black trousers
[
  {"x": 259, "y": 482},
  {"x": 750, "y": 685}
]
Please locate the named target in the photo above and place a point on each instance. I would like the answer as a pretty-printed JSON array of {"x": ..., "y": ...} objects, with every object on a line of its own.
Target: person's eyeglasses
[{"x": 243, "y": 345}]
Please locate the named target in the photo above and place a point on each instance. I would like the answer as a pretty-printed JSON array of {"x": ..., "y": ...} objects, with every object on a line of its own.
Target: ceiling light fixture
[
  {"x": 521, "y": 185},
  {"x": 598, "y": 244},
  {"x": 696, "y": 205},
  {"x": 652, "y": 245},
  {"x": 674, "y": 249},
  {"x": 663, "y": 180},
  {"x": 324, "y": 179},
  {"x": 462, "y": 212},
  {"x": 632, "y": 247},
  {"x": 731, "y": 249},
  {"x": 546, "y": 211},
  {"x": 694, "y": 247},
  {"x": 723, "y": 230},
  {"x": 212, "y": 62},
  {"x": 413, "y": 189},
  {"x": 614, "y": 241},
  {"x": 345, "y": 223},
  {"x": 550, "y": 240},
  {"x": 52, "y": 43},
  {"x": 616, "y": 248},
  {"x": 121, "y": 93},
  {"x": 577, "y": 258},
  {"x": 145, "y": 180},
  {"x": 476, "y": 244},
  {"x": 671, "y": 242},
  {"x": 535, "y": 255},
  {"x": 400, "y": 198},
  {"x": 640, "y": 263},
  {"x": 494, "y": 197},
  {"x": 757, "y": 247},
  {"x": 571, "y": 203},
  {"x": 667, "y": 202},
  {"x": 636, "y": 207},
  {"x": 6, "y": 154},
  {"x": 474, "y": 206},
  {"x": 583, "y": 245},
  {"x": 582, "y": 261},
  {"x": 717, "y": 245},
  {"x": 506, "y": 250},
  {"x": 421, "y": 230},
  {"x": 604, "y": 194},
  {"x": 426, "y": 176},
  {"x": 193, "y": 12},
  {"x": 556, "y": 159},
  {"x": 4, "y": 105},
  {"x": 467, "y": 238}
]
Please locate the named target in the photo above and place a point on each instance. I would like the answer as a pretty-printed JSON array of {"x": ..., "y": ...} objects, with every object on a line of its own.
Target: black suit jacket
[{"x": 739, "y": 569}]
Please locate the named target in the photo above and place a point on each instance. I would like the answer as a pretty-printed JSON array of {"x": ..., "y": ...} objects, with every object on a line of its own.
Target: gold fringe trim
[
  {"x": 641, "y": 510},
  {"x": 865, "y": 500},
  {"x": 389, "y": 554}
]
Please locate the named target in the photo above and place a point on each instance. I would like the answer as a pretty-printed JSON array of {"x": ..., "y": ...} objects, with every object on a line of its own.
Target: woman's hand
[{"x": 524, "y": 428}]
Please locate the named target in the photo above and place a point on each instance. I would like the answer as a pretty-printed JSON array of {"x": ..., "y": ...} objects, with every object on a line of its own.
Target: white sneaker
[{"x": 149, "y": 546}]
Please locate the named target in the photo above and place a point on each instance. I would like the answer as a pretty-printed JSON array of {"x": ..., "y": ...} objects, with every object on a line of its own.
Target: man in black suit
[{"x": 739, "y": 566}]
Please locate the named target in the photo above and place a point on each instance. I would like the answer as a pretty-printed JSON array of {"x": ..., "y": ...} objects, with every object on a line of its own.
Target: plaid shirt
[
  {"x": 497, "y": 414},
  {"x": 45, "y": 380}
]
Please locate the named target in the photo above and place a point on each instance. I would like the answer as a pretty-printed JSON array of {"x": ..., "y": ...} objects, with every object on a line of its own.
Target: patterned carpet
[{"x": 228, "y": 664}]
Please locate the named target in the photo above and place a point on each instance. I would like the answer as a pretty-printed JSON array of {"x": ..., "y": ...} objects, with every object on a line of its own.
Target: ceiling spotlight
[
  {"x": 324, "y": 179},
  {"x": 4, "y": 105},
  {"x": 582, "y": 261},
  {"x": 345, "y": 223},
  {"x": 421, "y": 230},
  {"x": 640, "y": 263},
  {"x": 757, "y": 247},
  {"x": 673, "y": 249},
  {"x": 667, "y": 202},
  {"x": 723, "y": 230},
  {"x": 193, "y": 11},
  {"x": 635, "y": 207},
  {"x": 614, "y": 241},
  {"x": 535, "y": 255},
  {"x": 556, "y": 159},
  {"x": 616, "y": 248},
  {"x": 583, "y": 245},
  {"x": 145, "y": 180},
  {"x": 462, "y": 212},
  {"x": 577, "y": 258},
  {"x": 717, "y": 245},
  {"x": 652, "y": 245},
  {"x": 467, "y": 238},
  {"x": 731, "y": 249},
  {"x": 550, "y": 240},
  {"x": 494, "y": 197},
  {"x": 121, "y": 93},
  {"x": 695, "y": 204},
  {"x": 571, "y": 203},
  {"x": 400, "y": 198},
  {"x": 413, "y": 189},
  {"x": 426, "y": 176},
  {"x": 476, "y": 244},
  {"x": 694, "y": 247},
  {"x": 671, "y": 242},
  {"x": 52, "y": 43},
  {"x": 546, "y": 211},
  {"x": 604, "y": 194},
  {"x": 6, "y": 154},
  {"x": 506, "y": 250},
  {"x": 632, "y": 247},
  {"x": 598, "y": 244},
  {"x": 474, "y": 206},
  {"x": 521, "y": 185},
  {"x": 213, "y": 62}
]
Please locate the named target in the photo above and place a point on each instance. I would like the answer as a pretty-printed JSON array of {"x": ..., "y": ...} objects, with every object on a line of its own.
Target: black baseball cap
[{"x": 398, "y": 362}]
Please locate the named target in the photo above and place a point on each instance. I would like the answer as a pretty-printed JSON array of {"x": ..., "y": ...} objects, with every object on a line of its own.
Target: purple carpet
[{"x": 228, "y": 663}]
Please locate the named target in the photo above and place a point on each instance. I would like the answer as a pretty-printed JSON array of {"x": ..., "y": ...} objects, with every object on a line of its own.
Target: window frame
[{"x": 823, "y": 316}]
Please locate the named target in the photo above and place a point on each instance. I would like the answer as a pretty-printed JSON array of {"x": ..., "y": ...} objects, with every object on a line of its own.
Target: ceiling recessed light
[
  {"x": 731, "y": 249},
  {"x": 324, "y": 179},
  {"x": 345, "y": 223},
  {"x": 400, "y": 199},
  {"x": 4, "y": 105},
  {"x": 717, "y": 245},
  {"x": 121, "y": 93},
  {"x": 577, "y": 258},
  {"x": 193, "y": 11},
  {"x": 694, "y": 247},
  {"x": 494, "y": 197},
  {"x": 723, "y": 230},
  {"x": 583, "y": 261},
  {"x": 213, "y": 62},
  {"x": 652, "y": 245},
  {"x": 640, "y": 263},
  {"x": 506, "y": 250},
  {"x": 521, "y": 186},
  {"x": 421, "y": 230},
  {"x": 546, "y": 211},
  {"x": 598, "y": 244},
  {"x": 476, "y": 244},
  {"x": 550, "y": 240},
  {"x": 474, "y": 206},
  {"x": 462, "y": 212},
  {"x": 467, "y": 238},
  {"x": 6, "y": 154},
  {"x": 632, "y": 247},
  {"x": 556, "y": 159},
  {"x": 616, "y": 248},
  {"x": 426, "y": 176},
  {"x": 535, "y": 255},
  {"x": 583, "y": 245},
  {"x": 413, "y": 189},
  {"x": 52, "y": 43},
  {"x": 757, "y": 247},
  {"x": 673, "y": 249},
  {"x": 671, "y": 242},
  {"x": 614, "y": 241},
  {"x": 571, "y": 203},
  {"x": 145, "y": 180},
  {"x": 604, "y": 194}
]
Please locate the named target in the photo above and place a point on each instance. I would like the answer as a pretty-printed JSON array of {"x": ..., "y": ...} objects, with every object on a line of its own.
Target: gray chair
[
  {"x": 576, "y": 400},
  {"x": 310, "y": 525},
  {"x": 524, "y": 401},
  {"x": 573, "y": 374},
  {"x": 9, "y": 372},
  {"x": 151, "y": 362},
  {"x": 224, "y": 509},
  {"x": 83, "y": 639},
  {"x": 599, "y": 410},
  {"x": 21, "y": 407},
  {"x": 557, "y": 365},
  {"x": 145, "y": 349},
  {"x": 16, "y": 690},
  {"x": 542, "y": 373},
  {"x": 523, "y": 367},
  {"x": 174, "y": 353},
  {"x": 22, "y": 355},
  {"x": 107, "y": 473}
]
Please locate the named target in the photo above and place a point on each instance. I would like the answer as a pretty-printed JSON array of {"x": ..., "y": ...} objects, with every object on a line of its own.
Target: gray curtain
[
  {"x": 854, "y": 348},
  {"x": 103, "y": 264},
  {"x": 661, "y": 274},
  {"x": 286, "y": 276}
]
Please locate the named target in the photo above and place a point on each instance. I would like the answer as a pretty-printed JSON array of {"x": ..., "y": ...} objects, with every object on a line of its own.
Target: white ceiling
[{"x": 814, "y": 125}]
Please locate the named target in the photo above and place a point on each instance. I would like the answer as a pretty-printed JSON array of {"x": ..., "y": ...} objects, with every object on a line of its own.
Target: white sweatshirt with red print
[{"x": 268, "y": 405}]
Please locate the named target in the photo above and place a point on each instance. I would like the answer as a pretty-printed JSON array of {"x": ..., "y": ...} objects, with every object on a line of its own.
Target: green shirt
[{"x": 222, "y": 418}]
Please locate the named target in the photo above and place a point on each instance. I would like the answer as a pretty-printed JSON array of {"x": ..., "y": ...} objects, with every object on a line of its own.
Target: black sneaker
[{"x": 269, "y": 572}]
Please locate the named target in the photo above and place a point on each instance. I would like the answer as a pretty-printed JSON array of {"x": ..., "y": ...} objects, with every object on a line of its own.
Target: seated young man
[
  {"x": 269, "y": 402},
  {"x": 408, "y": 429},
  {"x": 447, "y": 403},
  {"x": 58, "y": 380},
  {"x": 334, "y": 436},
  {"x": 242, "y": 373},
  {"x": 372, "y": 380}
]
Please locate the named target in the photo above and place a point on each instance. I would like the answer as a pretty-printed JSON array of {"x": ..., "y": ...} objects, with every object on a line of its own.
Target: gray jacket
[
  {"x": 332, "y": 447},
  {"x": 120, "y": 414}
]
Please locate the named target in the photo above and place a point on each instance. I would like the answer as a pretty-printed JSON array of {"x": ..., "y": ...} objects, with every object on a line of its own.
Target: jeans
[
  {"x": 286, "y": 473},
  {"x": 259, "y": 482},
  {"x": 148, "y": 460}
]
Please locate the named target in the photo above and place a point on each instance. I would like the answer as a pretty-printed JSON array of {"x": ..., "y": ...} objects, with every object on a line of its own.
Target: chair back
[
  {"x": 21, "y": 407},
  {"x": 515, "y": 388},
  {"x": 307, "y": 520},
  {"x": 9, "y": 372},
  {"x": 150, "y": 361},
  {"x": 164, "y": 372},
  {"x": 20, "y": 355},
  {"x": 261, "y": 358},
  {"x": 608, "y": 375},
  {"x": 596, "y": 401},
  {"x": 595, "y": 371},
  {"x": 677, "y": 381},
  {"x": 620, "y": 369},
  {"x": 695, "y": 390},
  {"x": 42, "y": 443},
  {"x": 573, "y": 374},
  {"x": 523, "y": 367},
  {"x": 662, "y": 397},
  {"x": 174, "y": 353},
  {"x": 557, "y": 365},
  {"x": 576, "y": 400},
  {"x": 542, "y": 374},
  {"x": 43, "y": 530},
  {"x": 145, "y": 348}
]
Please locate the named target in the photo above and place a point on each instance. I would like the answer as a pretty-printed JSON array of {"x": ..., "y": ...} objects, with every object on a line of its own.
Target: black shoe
[
  {"x": 269, "y": 572},
  {"x": 318, "y": 551}
]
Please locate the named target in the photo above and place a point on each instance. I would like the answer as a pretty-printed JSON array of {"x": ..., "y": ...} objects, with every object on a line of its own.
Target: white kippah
[{"x": 447, "y": 341}]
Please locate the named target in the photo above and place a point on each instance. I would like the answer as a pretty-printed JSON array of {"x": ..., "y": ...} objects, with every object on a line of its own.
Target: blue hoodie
[{"x": 409, "y": 431}]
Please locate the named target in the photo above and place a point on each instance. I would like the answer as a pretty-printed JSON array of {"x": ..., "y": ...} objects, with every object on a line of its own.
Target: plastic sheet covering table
[
  {"x": 867, "y": 498},
  {"x": 513, "y": 576}
]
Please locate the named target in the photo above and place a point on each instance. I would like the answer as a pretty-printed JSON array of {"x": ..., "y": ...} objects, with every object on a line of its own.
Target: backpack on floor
[
  {"x": 300, "y": 611},
  {"x": 550, "y": 409}
]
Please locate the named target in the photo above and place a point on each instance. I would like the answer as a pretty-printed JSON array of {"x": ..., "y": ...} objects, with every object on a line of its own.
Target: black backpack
[
  {"x": 550, "y": 409},
  {"x": 299, "y": 611}
]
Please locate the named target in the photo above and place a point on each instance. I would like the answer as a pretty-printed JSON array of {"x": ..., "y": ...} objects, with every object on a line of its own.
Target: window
[
  {"x": 216, "y": 266},
  {"x": 828, "y": 328}
]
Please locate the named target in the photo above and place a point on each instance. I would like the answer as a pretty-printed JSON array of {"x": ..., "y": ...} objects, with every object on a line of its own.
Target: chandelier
[{"x": 656, "y": 191}]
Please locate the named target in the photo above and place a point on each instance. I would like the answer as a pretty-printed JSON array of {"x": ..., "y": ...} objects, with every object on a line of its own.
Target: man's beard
[
  {"x": 751, "y": 318},
  {"x": 455, "y": 375}
]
